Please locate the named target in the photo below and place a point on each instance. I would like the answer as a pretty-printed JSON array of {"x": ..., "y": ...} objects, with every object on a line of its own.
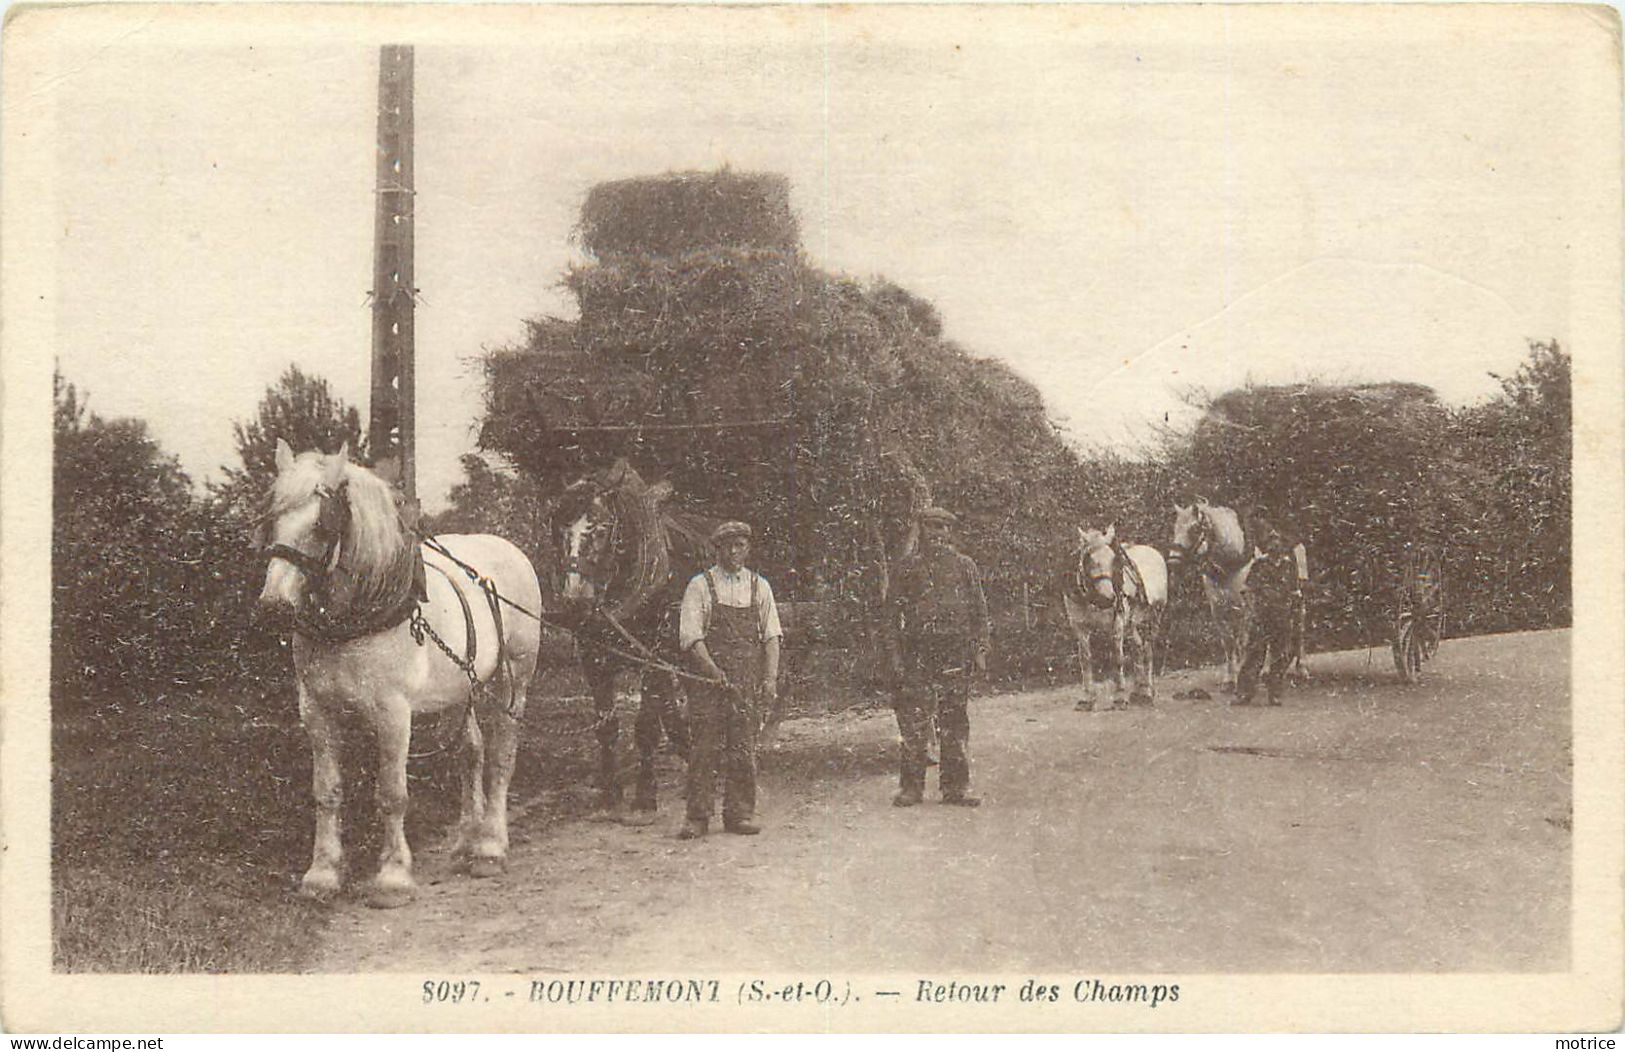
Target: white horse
[
  {"x": 1211, "y": 537},
  {"x": 1119, "y": 592},
  {"x": 374, "y": 638}
]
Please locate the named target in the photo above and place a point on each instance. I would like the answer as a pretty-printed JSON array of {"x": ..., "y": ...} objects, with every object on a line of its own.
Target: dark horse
[{"x": 625, "y": 560}]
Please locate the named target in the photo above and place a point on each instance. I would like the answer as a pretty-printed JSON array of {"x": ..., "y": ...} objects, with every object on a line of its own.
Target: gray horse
[
  {"x": 1211, "y": 538},
  {"x": 1119, "y": 592}
]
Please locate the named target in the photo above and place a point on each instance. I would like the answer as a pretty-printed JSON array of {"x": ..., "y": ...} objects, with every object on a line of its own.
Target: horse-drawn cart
[{"x": 1352, "y": 472}]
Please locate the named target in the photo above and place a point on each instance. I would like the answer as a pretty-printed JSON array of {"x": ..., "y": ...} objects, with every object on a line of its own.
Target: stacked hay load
[
  {"x": 1356, "y": 470},
  {"x": 821, "y": 409}
]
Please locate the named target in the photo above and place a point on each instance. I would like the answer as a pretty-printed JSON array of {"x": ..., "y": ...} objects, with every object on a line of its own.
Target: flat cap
[
  {"x": 729, "y": 530},
  {"x": 939, "y": 516}
]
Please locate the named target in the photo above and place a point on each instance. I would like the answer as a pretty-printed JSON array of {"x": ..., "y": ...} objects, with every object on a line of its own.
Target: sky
[{"x": 1120, "y": 204}]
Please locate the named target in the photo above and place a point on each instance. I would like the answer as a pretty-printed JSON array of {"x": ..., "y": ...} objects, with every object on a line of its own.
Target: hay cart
[{"x": 1358, "y": 473}]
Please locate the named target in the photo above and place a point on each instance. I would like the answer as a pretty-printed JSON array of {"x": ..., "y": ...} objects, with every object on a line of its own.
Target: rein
[
  {"x": 1199, "y": 546},
  {"x": 403, "y": 601},
  {"x": 1123, "y": 568},
  {"x": 645, "y": 659},
  {"x": 1200, "y": 550}
]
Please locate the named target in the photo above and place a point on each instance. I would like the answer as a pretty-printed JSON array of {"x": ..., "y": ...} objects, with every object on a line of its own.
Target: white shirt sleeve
[
  {"x": 768, "y": 614},
  {"x": 694, "y": 613}
]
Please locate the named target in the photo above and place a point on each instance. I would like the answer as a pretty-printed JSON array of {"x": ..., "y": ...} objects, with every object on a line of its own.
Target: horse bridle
[
  {"x": 589, "y": 567},
  {"x": 332, "y": 522},
  {"x": 1092, "y": 594}
]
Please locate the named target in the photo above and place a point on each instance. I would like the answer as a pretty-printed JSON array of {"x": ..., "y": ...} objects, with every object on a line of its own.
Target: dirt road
[{"x": 1365, "y": 826}]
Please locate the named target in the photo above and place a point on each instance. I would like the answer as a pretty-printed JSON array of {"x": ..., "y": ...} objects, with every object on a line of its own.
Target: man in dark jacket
[
  {"x": 1272, "y": 600},
  {"x": 937, "y": 614}
]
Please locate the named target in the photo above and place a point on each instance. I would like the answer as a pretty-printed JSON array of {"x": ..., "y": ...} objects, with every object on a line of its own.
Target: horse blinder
[
  {"x": 1178, "y": 553},
  {"x": 1088, "y": 580},
  {"x": 586, "y": 561},
  {"x": 333, "y": 517},
  {"x": 332, "y": 522}
]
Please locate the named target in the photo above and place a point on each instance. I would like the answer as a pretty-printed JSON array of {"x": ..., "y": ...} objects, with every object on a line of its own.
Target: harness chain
[
  {"x": 420, "y": 627},
  {"x": 645, "y": 659},
  {"x": 635, "y": 659},
  {"x": 1126, "y": 568}
]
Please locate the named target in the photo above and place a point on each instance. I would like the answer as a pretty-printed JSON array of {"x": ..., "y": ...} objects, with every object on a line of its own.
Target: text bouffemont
[{"x": 627, "y": 991}]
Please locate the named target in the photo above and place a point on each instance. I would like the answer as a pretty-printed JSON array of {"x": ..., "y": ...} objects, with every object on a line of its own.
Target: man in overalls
[
  {"x": 1272, "y": 602},
  {"x": 939, "y": 622},
  {"x": 729, "y": 627}
]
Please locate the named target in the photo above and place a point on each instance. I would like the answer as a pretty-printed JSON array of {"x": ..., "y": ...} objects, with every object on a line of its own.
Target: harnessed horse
[
  {"x": 1211, "y": 537},
  {"x": 625, "y": 562},
  {"x": 384, "y": 628},
  {"x": 1120, "y": 592}
]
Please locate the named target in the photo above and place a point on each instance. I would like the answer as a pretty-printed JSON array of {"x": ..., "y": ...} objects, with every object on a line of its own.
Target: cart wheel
[
  {"x": 1408, "y": 655},
  {"x": 1420, "y": 623}
]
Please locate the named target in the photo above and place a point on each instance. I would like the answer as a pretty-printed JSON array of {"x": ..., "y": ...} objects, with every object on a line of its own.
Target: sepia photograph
[{"x": 810, "y": 518}]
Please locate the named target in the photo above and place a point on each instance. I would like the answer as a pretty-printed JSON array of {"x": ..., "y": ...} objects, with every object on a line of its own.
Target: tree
[
  {"x": 299, "y": 409},
  {"x": 1540, "y": 396},
  {"x": 121, "y": 512},
  {"x": 1519, "y": 446}
]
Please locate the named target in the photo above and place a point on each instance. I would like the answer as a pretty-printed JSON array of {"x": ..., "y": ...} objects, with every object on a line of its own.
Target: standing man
[
  {"x": 940, "y": 629},
  {"x": 729, "y": 627},
  {"x": 1273, "y": 599}
]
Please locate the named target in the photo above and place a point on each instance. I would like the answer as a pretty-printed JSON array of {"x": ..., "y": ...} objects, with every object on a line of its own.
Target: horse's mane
[
  {"x": 377, "y": 533},
  {"x": 1070, "y": 580},
  {"x": 1250, "y": 524},
  {"x": 656, "y": 547},
  {"x": 378, "y": 559},
  {"x": 294, "y": 486},
  {"x": 1228, "y": 541},
  {"x": 1122, "y": 564},
  {"x": 644, "y": 540}
]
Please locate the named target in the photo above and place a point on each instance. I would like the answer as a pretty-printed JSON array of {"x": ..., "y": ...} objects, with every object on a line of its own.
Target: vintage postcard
[{"x": 811, "y": 518}]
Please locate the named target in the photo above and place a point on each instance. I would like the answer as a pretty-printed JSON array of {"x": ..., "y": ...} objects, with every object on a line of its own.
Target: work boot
[
  {"x": 742, "y": 828},
  {"x": 692, "y": 829},
  {"x": 961, "y": 800},
  {"x": 907, "y": 798}
]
